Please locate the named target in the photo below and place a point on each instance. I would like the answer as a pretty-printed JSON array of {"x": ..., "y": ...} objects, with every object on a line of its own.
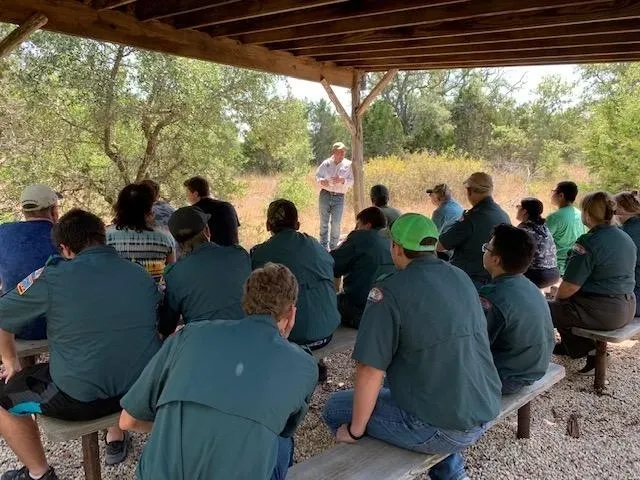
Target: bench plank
[
  {"x": 372, "y": 459},
  {"x": 61, "y": 430},
  {"x": 343, "y": 339},
  {"x": 612, "y": 336},
  {"x": 28, "y": 348}
]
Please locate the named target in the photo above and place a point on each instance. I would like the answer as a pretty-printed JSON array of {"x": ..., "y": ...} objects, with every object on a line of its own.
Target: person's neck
[
  {"x": 337, "y": 160},
  {"x": 498, "y": 272},
  {"x": 565, "y": 204},
  {"x": 479, "y": 200},
  {"x": 39, "y": 219}
]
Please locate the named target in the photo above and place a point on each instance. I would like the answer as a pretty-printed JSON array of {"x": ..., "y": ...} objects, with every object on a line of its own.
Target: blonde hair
[
  {"x": 270, "y": 290},
  {"x": 600, "y": 206},
  {"x": 629, "y": 202}
]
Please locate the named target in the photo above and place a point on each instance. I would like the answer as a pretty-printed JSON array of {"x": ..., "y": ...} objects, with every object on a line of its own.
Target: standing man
[
  {"x": 466, "y": 236},
  {"x": 26, "y": 246},
  {"x": 224, "y": 222},
  {"x": 565, "y": 223},
  {"x": 380, "y": 198},
  {"x": 447, "y": 209},
  {"x": 443, "y": 388},
  {"x": 101, "y": 319},
  {"x": 335, "y": 177}
]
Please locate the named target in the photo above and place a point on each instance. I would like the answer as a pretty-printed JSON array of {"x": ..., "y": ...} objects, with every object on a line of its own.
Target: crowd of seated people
[{"x": 212, "y": 347}]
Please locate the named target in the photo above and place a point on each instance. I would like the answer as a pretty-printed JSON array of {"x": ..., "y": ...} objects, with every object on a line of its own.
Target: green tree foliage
[
  {"x": 382, "y": 130},
  {"x": 278, "y": 139},
  {"x": 612, "y": 134},
  {"x": 325, "y": 129}
]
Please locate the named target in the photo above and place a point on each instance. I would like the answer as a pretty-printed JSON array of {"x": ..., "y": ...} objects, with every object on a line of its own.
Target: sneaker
[
  {"x": 116, "y": 451},
  {"x": 590, "y": 368},
  {"x": 560, "y": 349},
  {"x": 23, "y": 474}
]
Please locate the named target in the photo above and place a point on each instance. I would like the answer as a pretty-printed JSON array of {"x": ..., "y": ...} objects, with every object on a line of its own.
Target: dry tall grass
[{"x": 407, "y": 178}]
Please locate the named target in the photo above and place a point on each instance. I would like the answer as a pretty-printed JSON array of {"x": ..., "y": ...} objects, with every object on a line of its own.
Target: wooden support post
[
  {"x": 357, "y": 151},
  {"x": 524, "y": 421},
  {"x": 601, "y": 366},
  {"x": 91, "y": 456},
  {"x": 21, "y": 33},
  {"x": 336, "y": 103},
  {"x": 377, "y": 90}
]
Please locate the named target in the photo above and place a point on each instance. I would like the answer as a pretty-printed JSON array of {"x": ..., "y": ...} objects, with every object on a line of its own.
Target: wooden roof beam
[
  {"x": 554, "y": 17},
  {"x": 517, "y": 46},
  {"x": 315, "y": 16},
  {"x": 21, "y": 33},
  {"x": 427, "y": 15},
  {"x": 109, "y": 4},
  {"x": 375, "y": 92},
  {"x": 469, "y": 41},
  {"x": 574, "y": 55},
  {"x": 338, "y": 105},
  {"x": 74, "y": 18},
  {"x": 155, "y": 9},
  {"x": 249, "y": 9}
]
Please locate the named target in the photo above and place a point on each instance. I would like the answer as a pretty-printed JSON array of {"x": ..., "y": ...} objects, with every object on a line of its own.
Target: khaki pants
[{"x": 595, "y": 312}]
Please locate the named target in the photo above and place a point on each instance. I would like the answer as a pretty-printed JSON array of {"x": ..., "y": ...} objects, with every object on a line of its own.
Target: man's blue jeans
[
  {"x": 331, "y": 207},
  {"x": 391, "y": 424},
  {"x": 284, "y": 459}
]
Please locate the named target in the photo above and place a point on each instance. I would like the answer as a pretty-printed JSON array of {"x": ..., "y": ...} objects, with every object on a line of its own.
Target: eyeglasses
[{"x": 486, "y": 248}]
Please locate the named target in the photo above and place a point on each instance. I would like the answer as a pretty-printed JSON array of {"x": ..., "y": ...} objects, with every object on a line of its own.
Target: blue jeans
[
  {"x": 393, "y": 425},
  {"x": 284, "y": 459},
  {"x": 331, "y": 207}
]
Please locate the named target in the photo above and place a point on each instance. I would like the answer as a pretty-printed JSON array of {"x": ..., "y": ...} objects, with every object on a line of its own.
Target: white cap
[
  {"x": 338, "y": 146},
  {"x": 38, "y": 197}
]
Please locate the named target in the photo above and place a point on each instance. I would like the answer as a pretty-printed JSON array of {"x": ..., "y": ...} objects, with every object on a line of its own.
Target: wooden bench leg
[
  {"x": 524, "y": 421},
  {"x": 91, "y": 456},
  {"x": 601, "y": 366}
]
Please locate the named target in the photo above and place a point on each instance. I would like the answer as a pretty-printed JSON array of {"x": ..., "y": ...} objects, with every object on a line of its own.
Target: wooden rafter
[
  {"x": 248, "y": 10},
  {"x": 554, "y": 17},
  {"x": 316, "y": 16},
  {"x": 108, "y": 4},
  {"x": 375, "y": 92},
  {"x": 21, "y": 33},
  {"x": 338, "y": 105},
  {"x": 67, "y": 16},
  {"x": 576, "y": 33},
  {"x": 424, "y": 17},
  {"x": 154, "y": 9}
]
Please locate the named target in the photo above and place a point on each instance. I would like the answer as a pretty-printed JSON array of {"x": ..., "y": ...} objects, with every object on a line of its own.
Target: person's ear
[
  {"x": 288, "y": 321},
  {"x": 66, "y": 252},
  {"x": 207, "y": 232},
  {"x": 296, "y": 226}
]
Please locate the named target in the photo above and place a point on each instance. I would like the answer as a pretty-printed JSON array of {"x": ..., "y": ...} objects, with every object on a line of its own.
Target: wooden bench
[
  {"x": 602, "y": 338},
  {"x": 343, "y": 338},
  {"x": 63, "y": 431},
  {"x": 28, "y": 350},
  {"x": 371, "y": 459}
]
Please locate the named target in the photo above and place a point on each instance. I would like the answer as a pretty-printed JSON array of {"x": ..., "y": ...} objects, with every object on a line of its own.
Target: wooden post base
[
  {"x": 91, "y": 456},
  {"x": 524, "y": 421},
  {"x": 601, "y": 366}
]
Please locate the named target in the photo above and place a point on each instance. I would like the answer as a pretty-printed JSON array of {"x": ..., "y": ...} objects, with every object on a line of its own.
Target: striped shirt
[
  {"x": 329, "y": 169},
  {"x": 149, "y": 249}
]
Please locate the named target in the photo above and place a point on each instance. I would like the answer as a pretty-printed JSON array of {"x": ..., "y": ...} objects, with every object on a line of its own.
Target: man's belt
[{"x": 333, "y": 193}]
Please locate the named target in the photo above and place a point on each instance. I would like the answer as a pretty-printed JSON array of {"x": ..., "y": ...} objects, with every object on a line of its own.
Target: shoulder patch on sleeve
[
  {"x": 25, "y": 284},
  {"x": 486, "y": 303},
  {"x": 579, "y": 249},
  {"x": 375, "y": 295}
]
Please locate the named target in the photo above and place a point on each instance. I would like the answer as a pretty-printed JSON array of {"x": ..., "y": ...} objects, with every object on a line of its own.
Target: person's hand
[
  {"x": 342, "y": 435},
  {"x": 9, "y": 369},
  {"x": 337, "y": 179},
  {"x": 324, "y": 183}
]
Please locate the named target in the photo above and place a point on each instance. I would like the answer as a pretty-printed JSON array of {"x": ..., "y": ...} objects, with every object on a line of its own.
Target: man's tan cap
[
  {"x": 38, "y": 197},
  {"x": 441, "y": 189},
  {"x": 338, "y": 146},
  {"x": 479, "y": 181}
]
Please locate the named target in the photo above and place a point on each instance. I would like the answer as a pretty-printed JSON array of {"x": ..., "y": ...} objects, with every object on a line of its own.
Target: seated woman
[
  {"x": 132, "y": 236},
  {"x": 543, "y": 271},
  {"x": 597, "y": 288},
  {"x": 628, "y": 214}
]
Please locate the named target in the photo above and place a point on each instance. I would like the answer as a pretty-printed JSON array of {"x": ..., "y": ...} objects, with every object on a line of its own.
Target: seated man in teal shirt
[
  {"x": 101, "y": 323},
  {"x": 206, "y": 283},
  {"x": 443, "y": 388},
  {"x": 312, "y": 266},
  {"x": 363, "y": 257},
  {"x": 251, "y": 391},
  {"x": 518, "y": 316}
]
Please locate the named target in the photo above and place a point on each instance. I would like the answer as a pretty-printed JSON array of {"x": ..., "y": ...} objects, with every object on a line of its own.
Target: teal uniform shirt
[
  {"x": 317, "y": 316},
  {"x": 566, "y": 227},
  {"x": 101, "y": 320},
  {"x": 603, "y": 262},
  {"x": 435, "y": 350},
  {"x": 208, "y": 282},
  {"x": 364, "y": 256},
  {"x": 220, "y": 393},
  {"x": 467, "y": 236},
  {"x": 520, "y": 328},
  {"x": 632, "y": 228}
]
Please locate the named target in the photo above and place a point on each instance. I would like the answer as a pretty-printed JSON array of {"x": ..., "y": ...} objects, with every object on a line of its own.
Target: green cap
[{"x": 411, "y": 229}]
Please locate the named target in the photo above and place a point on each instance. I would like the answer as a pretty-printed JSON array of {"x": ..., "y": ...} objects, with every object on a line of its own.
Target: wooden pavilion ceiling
[{"x": 315, "y": 39}]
